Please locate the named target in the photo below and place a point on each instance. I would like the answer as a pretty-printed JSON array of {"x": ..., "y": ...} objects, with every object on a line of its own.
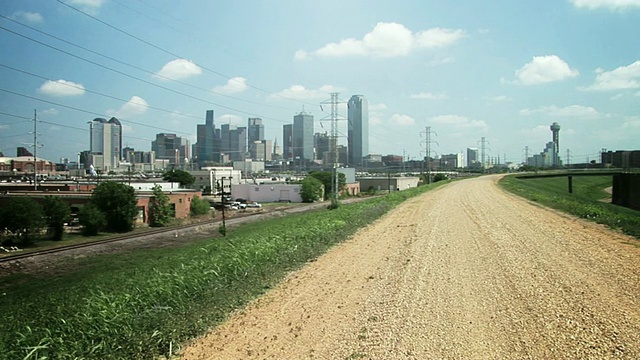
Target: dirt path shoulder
[{"x": 464, "y": 272}]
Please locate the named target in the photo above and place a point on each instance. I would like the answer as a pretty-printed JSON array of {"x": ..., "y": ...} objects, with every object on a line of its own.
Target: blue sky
[{"x": 503, "y": 70}]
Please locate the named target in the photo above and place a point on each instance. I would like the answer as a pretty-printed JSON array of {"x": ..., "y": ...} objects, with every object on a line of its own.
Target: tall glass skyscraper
[
  {"x": 303, "y": 136},
  {"x": 358, "y": 129}
]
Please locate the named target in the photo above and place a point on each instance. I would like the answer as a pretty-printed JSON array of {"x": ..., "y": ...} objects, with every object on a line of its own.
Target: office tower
[
  {"x": 287, "y": 141},
  {"x": 233, "y": 142},
  {"x": 472, "y": 157},
  {"x": 322, "y": 144},
  {"x": 303, "y": 136},
  {"x": 171, "y": 147},
  {"x": 207, "y": 147},
  {"x": 105, "y": 143},
  {"x": 358, "y": 129},
  {"x": 255, "y": 130}
]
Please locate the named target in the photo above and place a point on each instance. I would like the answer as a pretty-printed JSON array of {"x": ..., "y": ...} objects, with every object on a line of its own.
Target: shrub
[
  {"x": 199, "y": 206},
  {"x": 91, "y": 219},
  {"x": 57, "y": 212}
]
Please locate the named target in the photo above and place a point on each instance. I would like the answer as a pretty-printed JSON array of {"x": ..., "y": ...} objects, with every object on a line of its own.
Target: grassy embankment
[
  {"x": 589, "y": 199},
  {"x": 141, "y": 304}
]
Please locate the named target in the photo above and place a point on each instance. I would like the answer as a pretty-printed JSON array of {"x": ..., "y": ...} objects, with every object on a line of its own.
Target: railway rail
[{"x": 238, "y": 218}]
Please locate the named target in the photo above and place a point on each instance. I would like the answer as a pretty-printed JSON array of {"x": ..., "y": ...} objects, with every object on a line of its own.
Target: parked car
[
  {"x": 254, "y": 205},
  {"x": 238, "y": 205}
]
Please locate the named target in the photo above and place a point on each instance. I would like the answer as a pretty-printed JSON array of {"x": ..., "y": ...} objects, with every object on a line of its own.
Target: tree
[
  {"x": 326, "y": 177},
  {"x": 311, "y": 189},
  {"x": 117, "y": 201},
  {"x": 56, "y": 212},
  {"x": 91, "y": 219},
  {"x": 160, "y": 210},
  {"x": 439, "y": 177},
  {"x": 24, "y": 218},
  {"x": 199, "y": 206},
  {"x": 176, "y": 175}
]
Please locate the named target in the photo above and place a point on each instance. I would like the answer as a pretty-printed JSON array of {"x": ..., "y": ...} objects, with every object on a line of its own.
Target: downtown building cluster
[{"x": 216, "y": 145}]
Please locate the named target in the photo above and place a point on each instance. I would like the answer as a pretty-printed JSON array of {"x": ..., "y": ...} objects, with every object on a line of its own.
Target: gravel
[{"x": 463, "y": 272}]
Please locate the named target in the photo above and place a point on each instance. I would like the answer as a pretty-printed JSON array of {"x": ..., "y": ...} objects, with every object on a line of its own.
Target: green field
[
  {"x": 589, "y": 199},
  {"x": 140, "y": 304}
]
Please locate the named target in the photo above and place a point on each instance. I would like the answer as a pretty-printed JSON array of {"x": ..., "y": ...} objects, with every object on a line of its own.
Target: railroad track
[{"x": 238, "y": 218}]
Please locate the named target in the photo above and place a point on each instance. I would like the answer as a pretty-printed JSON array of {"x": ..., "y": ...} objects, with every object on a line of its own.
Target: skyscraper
[
  {"x": 358, "y": 129},
  {"x": 207, "y": 147},
  {"x": 171, "y": 147},
  {"x": 303, "y": 136},
  {"x": 287, "y": 141},
  {"x": 233, "y": 141},
  {"x": 472, "y": 157},
  {"x": 105, "y": 143},
  {"x": 255, "y": 130}
]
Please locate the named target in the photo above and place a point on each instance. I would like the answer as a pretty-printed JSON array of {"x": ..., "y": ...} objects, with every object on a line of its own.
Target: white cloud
[
  {"x": 572, "y": 111},
  {"x": 178, "y": 69},
  {"x": 621, "y": 78},
  {"x": 402, "y": 120},
  {"x": 631, "y": 122},
  {"x": 460, "y": 122},
  {"x": 438, "y": 37},
  {"x": 544, "y": 69},
  {"x": 61, "y": 88},
  {"x": 233, "y": 86},
  {"x": 27, "y": 16},
  {"x": 299, "y": 92},
  {"x": 89, "y": 6},
  {"x": 386, "y": 40},
  {"x": 430, "y": 96},
  {"x": 51, "y": 111},
  {"x": 609, "y": 4},
  {"x": 230, "y": 119},
  {"x": 135, "y": 106}
]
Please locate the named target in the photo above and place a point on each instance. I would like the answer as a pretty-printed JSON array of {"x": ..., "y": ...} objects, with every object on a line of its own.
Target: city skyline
[{"x": 467, "y": 70}]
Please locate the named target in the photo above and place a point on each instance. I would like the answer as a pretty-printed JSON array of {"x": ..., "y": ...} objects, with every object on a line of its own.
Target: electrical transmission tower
[
  {"x": 334, "y": 117},
  {"x": 568, "y": 157},
  {"x": 427, "y": 149}
]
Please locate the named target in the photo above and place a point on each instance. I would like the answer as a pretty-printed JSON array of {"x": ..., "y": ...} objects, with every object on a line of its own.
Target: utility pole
[
  {"x": 35, "y": 150},
  {"x": 568, "y": 157},
  {"x": 404, "y": 154},
  {"x": 427, "y": 149}
]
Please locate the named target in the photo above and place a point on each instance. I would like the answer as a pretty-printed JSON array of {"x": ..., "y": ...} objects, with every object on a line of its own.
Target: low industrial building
[
  {"x": 388, "y": 183},
  {"x": 267, "y": 192}
]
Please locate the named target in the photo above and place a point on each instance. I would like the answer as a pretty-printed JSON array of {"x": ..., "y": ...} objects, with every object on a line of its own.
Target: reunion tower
[{"x": 555, "y": 129}]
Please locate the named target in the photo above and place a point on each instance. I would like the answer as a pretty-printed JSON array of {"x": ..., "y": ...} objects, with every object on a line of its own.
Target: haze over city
[{"x": 503, "y": 70}]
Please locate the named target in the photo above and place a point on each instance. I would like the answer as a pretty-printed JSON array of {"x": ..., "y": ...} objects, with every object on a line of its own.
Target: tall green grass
[
  {"x": 139, "y": 305},
  {"x": 587, "y": 200}
]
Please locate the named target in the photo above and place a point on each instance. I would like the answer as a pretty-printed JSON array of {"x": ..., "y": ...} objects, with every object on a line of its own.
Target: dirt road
[{"x": 464, "y": 272}]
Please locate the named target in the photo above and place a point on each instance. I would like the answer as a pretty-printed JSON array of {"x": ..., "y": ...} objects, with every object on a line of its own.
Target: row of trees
[{"x": 112, "y": 208}]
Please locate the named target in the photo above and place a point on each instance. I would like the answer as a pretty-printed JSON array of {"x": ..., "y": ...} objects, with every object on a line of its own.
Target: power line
[
  {"x": 137, "y": 78},
  {"x": 87, "y": 111},
  {"x": 174, "y": 54},
  {"x": 139, "y": 68}
]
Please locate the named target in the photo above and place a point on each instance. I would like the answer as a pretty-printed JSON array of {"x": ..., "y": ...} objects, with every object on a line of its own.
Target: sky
[{"x": 502, "y": 70}]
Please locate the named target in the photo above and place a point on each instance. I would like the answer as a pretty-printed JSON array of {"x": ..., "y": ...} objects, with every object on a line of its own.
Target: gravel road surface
[{"x": 463, "y": 272}]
